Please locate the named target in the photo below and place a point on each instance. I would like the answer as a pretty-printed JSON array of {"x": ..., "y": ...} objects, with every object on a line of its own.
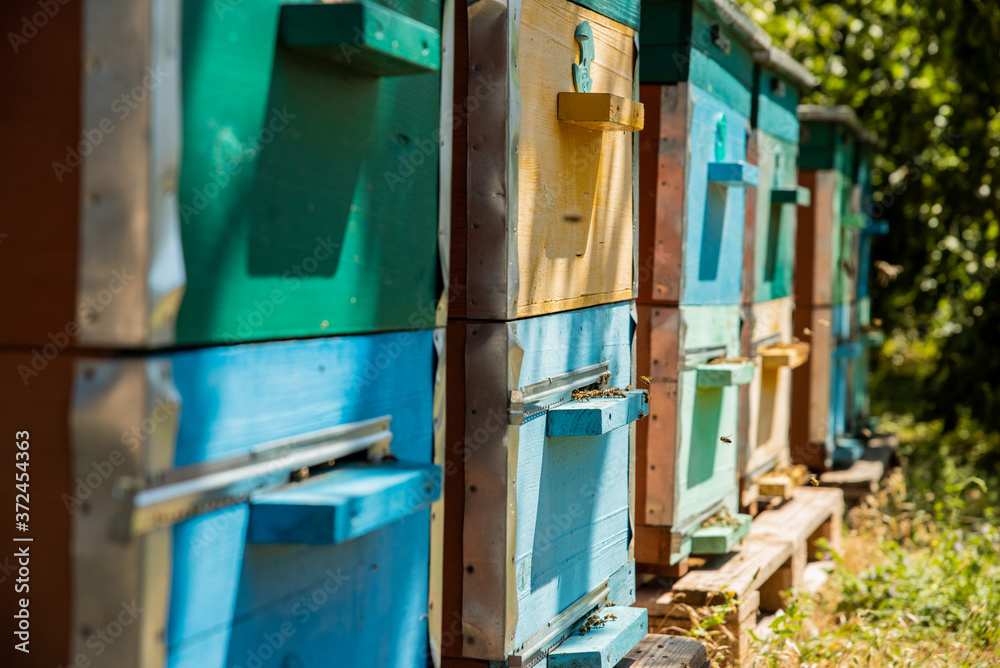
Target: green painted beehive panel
[
  {"x": 721, "y": 539},
  {"x": 775, "y": 100},
  {"x": 775, "y": 218},
  {"x": 826, "y": 145},
  {"x": 622, "y": 11},
  {"x": 682, "y": 40},
  {"x": 309, "y": 188}
]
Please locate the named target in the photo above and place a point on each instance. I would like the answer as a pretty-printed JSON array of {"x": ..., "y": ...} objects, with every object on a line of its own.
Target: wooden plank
[
  {"x": 622, "y": 11},
  {"x": 663, "y": 651},
  {"x": 327, "y": 227},
  {"x": 720, "y": 539},
  {"x": 662, "y": 188},
  {"x": 39, "y": 272},
  {"x": 773, "y": 592},
  {"x": 574, "y": 199},
  {"x": 602, "y": 112},
  {"x": 810, "y": 432},
  {"x": 733, "y": 174},
  {"x": 790, "y": 355},
  {"x": 799, "y": 196},
  {"x": 382, "y": 42},
  {"x": 335, "y": 507},
  {"x": 746, "y": 568},
  {"x": 863, "y": 476},
  {"x": 602, "y": 645},
  {"x": 596, "y": 416},
  {"x": 795, "y": 521},
  {"x": 726, "y": 374}
]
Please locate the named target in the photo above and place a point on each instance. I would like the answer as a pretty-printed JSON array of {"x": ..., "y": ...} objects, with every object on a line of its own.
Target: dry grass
[{"x": 907, "y": 592}]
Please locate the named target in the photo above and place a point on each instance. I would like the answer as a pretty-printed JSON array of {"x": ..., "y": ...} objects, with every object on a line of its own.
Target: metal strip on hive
[
  {"x": 529, "y": 402},
  {"x": 562, "y": 626}
]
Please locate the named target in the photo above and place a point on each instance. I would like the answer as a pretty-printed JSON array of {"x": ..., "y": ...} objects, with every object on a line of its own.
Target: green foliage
[
  {"x": 928, "y": 596},
  {"x": 922, "y": 74}
]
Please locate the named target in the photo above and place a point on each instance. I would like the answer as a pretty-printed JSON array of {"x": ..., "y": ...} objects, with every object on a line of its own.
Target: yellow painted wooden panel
[
  {"x": 771, "y": 390},
  {"x": 574, "y": 236}
]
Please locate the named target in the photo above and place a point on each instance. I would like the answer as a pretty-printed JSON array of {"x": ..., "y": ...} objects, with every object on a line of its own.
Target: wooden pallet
[
  {"x": 770, "y": 560},
  {"x": 863, "y": 476},
  {"x": 663, "y": 651}
]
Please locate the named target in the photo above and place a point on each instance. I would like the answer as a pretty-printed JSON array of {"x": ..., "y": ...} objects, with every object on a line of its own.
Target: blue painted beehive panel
[
  {"x": 713, "y": 237},
  {"x": 211, "y": 596},
  {"x": 561, "y": 501}
]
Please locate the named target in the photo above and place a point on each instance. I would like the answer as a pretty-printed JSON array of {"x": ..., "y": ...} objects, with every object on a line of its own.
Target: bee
[
  {"x": 867, "y": 433},
  {"x": 684, "y": 664},
  {"x": 610, "y": 615},
  {"x": 877, "y": 322},
  {"x": 814, "y": 481},
  {"x": 726, "y": 439},
  {"x": 611, "y": 604},
  {"x": 824, "y": 322},
  {"x": 300, "y": 474},
  {"x": 389, "y": 457},
  {"x": 806, "y": 331},
  {"x": 628, "y": 388},
  {"x": 645, "y": 379}
]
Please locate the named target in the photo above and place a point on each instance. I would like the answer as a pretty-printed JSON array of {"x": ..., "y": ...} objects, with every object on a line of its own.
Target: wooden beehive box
[
  {"x": 811, "y": 433},
  {"x": 766, "y": 403},
  {"x": 697, "y": 78},
  {"x": 543, "y": 167},
  {"x": 171, "y": 485},
  {"x": 250, "y": 171},
  {"x": 827, "y": 237},
  {"x": 538, "y": 493},
  {"x": 769, "y": 259},
  {"x": 685, "y": 472}
]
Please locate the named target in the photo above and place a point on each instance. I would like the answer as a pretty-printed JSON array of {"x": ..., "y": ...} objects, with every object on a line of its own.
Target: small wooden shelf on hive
[
  {"x": 734, "y": 174},
  {"x": 602, "y": 112},
  {"x": 791, "y": 355},
  {"x": 725, "y": 374},
  {"x": 597, "y": 416},
  {"x": 721, "y": 538},
  {"x": 873, "y": 338},
  {"x": 799, "y": 196},
  {"x": 603, "y": 645}
]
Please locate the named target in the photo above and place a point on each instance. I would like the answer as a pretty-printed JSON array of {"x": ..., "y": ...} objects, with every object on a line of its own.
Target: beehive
[
  {"x": 826, "y": 278},
  {"x": 232, "y": 171},
  {"x": 172, "y": 486},
  {"x": 687, "y": 451},
  {"x": 538, "y": 496},
  {"x": 697, "y": 78},
  {"x": 769, "y": 260},
  {"x": 543, "y": 163}
]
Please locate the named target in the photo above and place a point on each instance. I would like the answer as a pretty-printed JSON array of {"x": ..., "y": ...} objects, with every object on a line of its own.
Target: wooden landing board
[
  {"x": 662, "y": 651},
  {"x": 783, "y": 484},
  {"x": 863, "y": 476},
  {"x": 743, "y": 570},
  {"x": 806, "y": 513}
]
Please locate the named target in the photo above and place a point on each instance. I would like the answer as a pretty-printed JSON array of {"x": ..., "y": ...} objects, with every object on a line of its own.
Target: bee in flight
[
  {"x": 645, "y": 379},
  {"x": 726, "y": 439},
  {"x": 814, "y": 481}
]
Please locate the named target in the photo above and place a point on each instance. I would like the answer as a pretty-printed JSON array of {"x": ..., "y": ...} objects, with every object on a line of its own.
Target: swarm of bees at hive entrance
[
  {"x": 729, "y": 360},
  {"x": 594, "y": 390},
  {"x": 722, "y": 518},
  {"x": 596, "y": 621}
]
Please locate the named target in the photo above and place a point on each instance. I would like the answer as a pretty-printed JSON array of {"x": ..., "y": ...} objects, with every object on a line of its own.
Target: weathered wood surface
[
  {"x": 799, "y": 518},
  {"x": 817, "y": 238},
  {"x": 574, "y": 199},
  {"x": 603, "y": 645},
  {"x": 810, "y": 433},
  {"x": 683, "y": 465},
  {"x": 663, "y": 651},
  {"x": 744, "y": 569},
  {"x": 769, "y": 397},
  {"x": 863, "y": 476}
]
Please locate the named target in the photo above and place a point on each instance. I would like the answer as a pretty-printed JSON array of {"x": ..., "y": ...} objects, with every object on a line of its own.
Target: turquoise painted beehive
[
  {"x": 826, "y": 276},
  {"x": 537, "y": 492},
  {"x": 697, "y": 82},
  {"x": 769, "y": 260},
  {"x": 248, "y": 170},
  {"x": 264, "y": 504},
  {"x": 687, "y": 482}
]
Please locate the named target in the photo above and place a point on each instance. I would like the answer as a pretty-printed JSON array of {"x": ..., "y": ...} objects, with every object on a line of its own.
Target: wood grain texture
[
  {"x": 746, "y": 568},
  {"x": 40, "y": 228},
  {"x": 574, "y": 196},
  {"x": 797, "y": 520},
  {"x": 662, "y": 188},
  {"x": 604, "y": 645},
  {"x": 297, "y": 220},
  {"x": 662, "y": 651},
  {"x": 770, "y": 398},
  {"x": 683, "y": 466},
  {"x": 810, "y": 435},
  {"x": 817, "y": 239}
]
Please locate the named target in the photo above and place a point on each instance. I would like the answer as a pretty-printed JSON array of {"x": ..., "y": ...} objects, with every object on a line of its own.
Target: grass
[{"x": 918, "y": 579}]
